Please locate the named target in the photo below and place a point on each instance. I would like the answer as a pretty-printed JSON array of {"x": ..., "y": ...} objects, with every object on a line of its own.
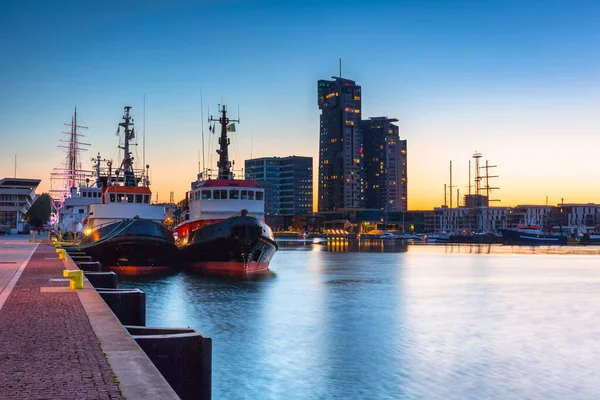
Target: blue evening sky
[{"x": 518, "y": 81}]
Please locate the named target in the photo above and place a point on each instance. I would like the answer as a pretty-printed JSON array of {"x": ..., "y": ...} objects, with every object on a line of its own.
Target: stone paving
[{"x": 48, "y": 349}]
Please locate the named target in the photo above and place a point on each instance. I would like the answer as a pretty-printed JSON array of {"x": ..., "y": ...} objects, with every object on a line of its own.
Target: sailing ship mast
[{"x": 71, "y": 175}]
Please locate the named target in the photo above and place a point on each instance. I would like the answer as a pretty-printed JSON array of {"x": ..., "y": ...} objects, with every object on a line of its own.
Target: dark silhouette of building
[
  {"x": 384, "y": 165},
  {"x": 287, "y": 182},
  {"x": 340, "y": 145}
]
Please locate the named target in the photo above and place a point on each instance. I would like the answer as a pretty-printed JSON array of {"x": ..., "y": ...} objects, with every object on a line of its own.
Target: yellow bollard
[
  {"x": 62, "y": 254},
  {"x": 75, "y": 278}
]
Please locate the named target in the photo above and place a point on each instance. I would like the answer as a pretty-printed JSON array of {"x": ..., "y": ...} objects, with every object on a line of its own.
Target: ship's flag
[{"x": 231, "y": 128}]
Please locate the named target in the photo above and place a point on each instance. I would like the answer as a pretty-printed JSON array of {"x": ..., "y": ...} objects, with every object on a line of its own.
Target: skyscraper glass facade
[{"x": 287, "y": 182}]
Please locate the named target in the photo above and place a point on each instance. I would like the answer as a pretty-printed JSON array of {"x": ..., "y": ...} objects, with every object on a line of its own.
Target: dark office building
[
  {"x": 340, "y": 146},
  {"x": 287, "y": 182},
  {"x": 384, "y": 165}
]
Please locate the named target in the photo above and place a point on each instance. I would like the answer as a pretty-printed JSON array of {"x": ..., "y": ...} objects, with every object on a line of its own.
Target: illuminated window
[
  {"x": 356, "y": 97},
  {"x": 349, "y": 122}
]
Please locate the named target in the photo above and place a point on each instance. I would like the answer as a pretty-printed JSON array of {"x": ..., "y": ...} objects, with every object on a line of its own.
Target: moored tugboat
[
  {"x": 225, "y": 232},
  {"x": 125, "y": 232}
]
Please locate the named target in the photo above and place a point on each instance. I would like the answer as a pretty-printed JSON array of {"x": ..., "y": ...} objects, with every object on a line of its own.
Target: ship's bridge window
[
  {"x": 112, "y": 197},
  {"x": 234, "y": 194},
  {"x": 130, "y": 198},
  {"x": 206, "y": 195},
  {"x": 220, "y": 194},
  {"x": 259, "y": 196},
  {"x": 244, "y": 195},
  {"x": 83, "y": 194},
  {"x": 250, "y": 195},
  {"x": 138, "y": 198},
  {"x": 146, "y": 198}
]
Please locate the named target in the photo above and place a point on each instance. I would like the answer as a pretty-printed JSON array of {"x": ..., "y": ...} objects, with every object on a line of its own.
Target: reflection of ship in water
[{"x": 366, "y": 246}]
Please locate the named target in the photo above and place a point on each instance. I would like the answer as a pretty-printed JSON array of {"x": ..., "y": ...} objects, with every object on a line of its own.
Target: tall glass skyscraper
[
  {"x": 340, "y": 145},
  {"x": 287, "y": 182},
  {"x": 385, "y": 183}
]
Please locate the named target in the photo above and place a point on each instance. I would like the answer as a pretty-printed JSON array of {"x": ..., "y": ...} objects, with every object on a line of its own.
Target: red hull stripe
[
  {"x": 130, "y": 270},
  {"x": 230, "y": 267}
]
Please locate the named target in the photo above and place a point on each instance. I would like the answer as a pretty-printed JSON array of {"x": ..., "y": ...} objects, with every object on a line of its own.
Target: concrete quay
[{"x": 61, "y": 343}]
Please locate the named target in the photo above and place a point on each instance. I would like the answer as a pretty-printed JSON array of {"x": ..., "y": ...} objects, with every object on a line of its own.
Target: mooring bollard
[
  {"x": 75, "y": 278},
  {"x": 62, "y": 254}
]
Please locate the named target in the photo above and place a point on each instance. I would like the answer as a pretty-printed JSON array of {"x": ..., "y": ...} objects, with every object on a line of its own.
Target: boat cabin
[
  {"x": 214, "y": 200},
  {"x": 127, "y": 194}
]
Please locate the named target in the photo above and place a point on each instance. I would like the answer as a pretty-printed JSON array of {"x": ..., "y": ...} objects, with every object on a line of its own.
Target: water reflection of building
[{"x": 17, "y": 195}]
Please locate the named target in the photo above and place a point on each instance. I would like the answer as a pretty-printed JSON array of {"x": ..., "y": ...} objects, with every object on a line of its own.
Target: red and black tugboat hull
[
  {"x": 238, "y": 245},
  {"x": 132, "y": 247}
]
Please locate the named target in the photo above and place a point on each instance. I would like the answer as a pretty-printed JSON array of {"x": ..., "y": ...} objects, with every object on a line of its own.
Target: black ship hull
[
  {"x": 238, "y": 245},
  {"x": 132, "y": 247},
  {"x": 514, "y": 236}
]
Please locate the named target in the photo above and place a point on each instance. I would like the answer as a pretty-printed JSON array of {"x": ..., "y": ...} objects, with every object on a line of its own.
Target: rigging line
[
  {"x": 210, "y": 141},
  {"x": 144, "y": 143},
  {"x": 202, "y": 119}
]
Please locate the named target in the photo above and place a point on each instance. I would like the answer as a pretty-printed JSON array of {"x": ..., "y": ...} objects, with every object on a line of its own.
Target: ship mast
[
  {"x": 71, "y": 174},
  {"x": 129, "y": 134},
  {"x": 224, "y": 164}
]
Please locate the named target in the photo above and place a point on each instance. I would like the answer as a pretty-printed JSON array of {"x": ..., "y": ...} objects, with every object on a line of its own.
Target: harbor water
[{"x": 382, "y": 320}]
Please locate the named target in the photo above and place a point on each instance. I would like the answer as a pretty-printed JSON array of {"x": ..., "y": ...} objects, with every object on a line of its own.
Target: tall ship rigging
[
  {"x": 125, "y": 232},
  {"x": 225, "y": 232},
  {"x": 71, "y": 188}
]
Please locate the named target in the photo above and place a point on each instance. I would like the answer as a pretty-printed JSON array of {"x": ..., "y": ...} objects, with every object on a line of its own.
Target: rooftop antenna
[
  {"x": 15, "y": 166},
  {"x": 340, "y": 67}
]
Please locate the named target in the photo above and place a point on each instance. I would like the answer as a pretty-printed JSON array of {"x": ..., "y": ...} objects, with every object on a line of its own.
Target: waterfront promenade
[{"x": 59, "y": 343}]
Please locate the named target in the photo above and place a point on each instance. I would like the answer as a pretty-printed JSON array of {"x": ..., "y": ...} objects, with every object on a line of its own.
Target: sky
[{"x": 518, "y": 81}]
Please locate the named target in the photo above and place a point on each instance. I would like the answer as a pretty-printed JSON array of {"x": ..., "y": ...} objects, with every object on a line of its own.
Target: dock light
[{"x": 87, "y": 231}]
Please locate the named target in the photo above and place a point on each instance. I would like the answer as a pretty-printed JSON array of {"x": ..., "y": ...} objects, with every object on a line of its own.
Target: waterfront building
[
  {"x": 340, "y": 145},
  {"x": 17, "y": 195},
  {"x": 287, "y": 182},
  {"x": 530, "y": 214},
  {"x": 384, "y": 165},
  {"x": 468, "y": 219},
  {"x": 584, "y": 216}
]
